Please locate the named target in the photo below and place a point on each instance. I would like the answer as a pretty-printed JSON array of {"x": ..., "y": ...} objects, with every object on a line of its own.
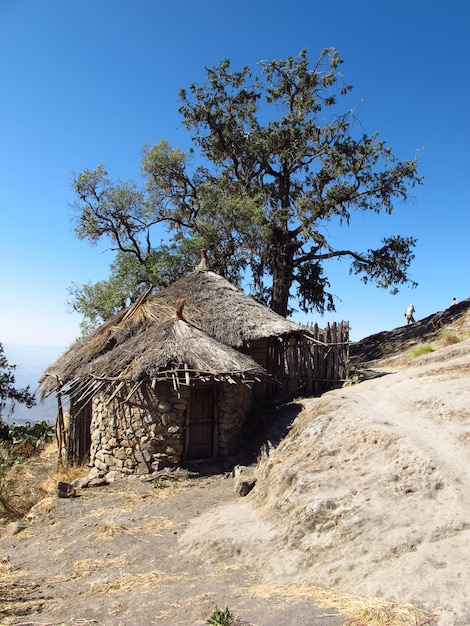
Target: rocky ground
[
  {"x": 360, "y": 514},
  {"x": 116, "y": 555}
]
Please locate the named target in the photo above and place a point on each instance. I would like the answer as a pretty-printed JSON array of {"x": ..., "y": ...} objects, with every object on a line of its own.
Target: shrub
[
  {"x": 420, "y": 350},
  {"x": 31, "y": 434},
  {"x": 222, "y": 617},
  {"x": 448, "y": 339}
]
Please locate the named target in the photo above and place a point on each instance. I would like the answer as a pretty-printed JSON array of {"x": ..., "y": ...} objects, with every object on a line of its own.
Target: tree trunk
[
  {"x": 282, "y": 281},
  {"x": 280, "y": 294}
]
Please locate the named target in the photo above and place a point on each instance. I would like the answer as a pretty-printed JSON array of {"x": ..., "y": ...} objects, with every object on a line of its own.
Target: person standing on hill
[
  {"x": 409, "y": 314},
  {"x": 454, "y": 301}
]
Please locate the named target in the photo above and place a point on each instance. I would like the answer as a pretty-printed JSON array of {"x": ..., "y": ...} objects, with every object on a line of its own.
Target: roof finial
[
  {"x": 179, "y": 309},
  {"x": 203, "y": 264}
]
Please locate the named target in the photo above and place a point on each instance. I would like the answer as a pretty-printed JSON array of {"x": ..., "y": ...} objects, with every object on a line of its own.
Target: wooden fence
[
  {"x": 311, "y": 363},
  {"x": 330, "y": 356}
]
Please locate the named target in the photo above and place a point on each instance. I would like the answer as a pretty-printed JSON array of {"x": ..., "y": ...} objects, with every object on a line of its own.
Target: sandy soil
[
  {"x": 369, "y": 492},
  {"x": 113, "y": 556},
  {"x": 359, "y": 515}
]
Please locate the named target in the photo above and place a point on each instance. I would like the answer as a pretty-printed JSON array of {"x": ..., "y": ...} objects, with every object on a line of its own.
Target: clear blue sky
[{"x": 90, "y": 81}]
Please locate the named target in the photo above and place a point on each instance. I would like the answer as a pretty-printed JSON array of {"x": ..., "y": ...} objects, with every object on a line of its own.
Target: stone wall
[
  {"x": 147, "y": 433},
  {"x": 233, "y": 403}
]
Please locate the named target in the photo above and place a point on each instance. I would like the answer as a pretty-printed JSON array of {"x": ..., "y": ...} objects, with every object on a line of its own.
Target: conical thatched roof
[
  {"x": 172, "y": 350},
  {"x": 212, "y": 304},
  {"x": 222, "y": 311}
]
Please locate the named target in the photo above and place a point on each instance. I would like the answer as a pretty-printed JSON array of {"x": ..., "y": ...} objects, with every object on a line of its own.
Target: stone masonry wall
[
  {"x": 141, "y": 435},
  {"x": 233, "y": 404},
  {"x": 146, "y": 433}
]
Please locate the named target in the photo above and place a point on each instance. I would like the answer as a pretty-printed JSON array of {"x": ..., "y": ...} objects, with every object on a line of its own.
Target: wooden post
[{"x": 62, "y": 444}]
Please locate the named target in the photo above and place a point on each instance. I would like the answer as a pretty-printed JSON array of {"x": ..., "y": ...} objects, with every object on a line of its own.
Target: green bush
[
  {"x": 33, "y": 435},
  {"x": 419, "y": 350},
  {"x": 222, "y": 617}
]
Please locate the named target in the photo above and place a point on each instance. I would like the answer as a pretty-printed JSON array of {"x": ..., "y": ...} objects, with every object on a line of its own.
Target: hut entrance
[
  {"x": 79, "y": 433},
  {"x": 200, "y": 433}
]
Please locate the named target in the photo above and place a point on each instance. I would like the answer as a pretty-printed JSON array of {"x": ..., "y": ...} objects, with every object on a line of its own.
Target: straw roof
[
  {"x": 173, "y": 350},
  {"x": 223, "y": 311},
  {"x": 132, "y": 344}
]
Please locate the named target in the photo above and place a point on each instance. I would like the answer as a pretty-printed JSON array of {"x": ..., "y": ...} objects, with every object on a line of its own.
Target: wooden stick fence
[{"x": 312, "y": 363}]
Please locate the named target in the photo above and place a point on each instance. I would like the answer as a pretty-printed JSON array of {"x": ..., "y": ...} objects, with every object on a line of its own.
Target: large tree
[
  {"x": 277, "y": 162},
  {"x": 273, "y": 135}
]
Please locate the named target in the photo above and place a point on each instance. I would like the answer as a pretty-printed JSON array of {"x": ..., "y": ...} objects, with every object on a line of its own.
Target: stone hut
[
  {"x": 161, "y": 397},
  {"x": 152, "y": 387}
]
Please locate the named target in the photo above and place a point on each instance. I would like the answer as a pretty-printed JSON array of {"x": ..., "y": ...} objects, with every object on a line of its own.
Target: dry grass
[
  {"x": 112, "y": 529},
  {"x": 359, "y": 611},
  {"x": 449, "y": 339},
  {"x": 92, "y": 565},
  {"x": 16, "y": 598},
  {"x": 127, "y": 583},
  {"x": 66, "y": 474},
  {"x": 26, "y": 483},
  {"x": 184, "y": 605},
  {"x": 16, "y": 497}
]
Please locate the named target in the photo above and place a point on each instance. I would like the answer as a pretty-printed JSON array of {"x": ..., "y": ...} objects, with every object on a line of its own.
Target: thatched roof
[
  {"x": 213, "y": 305},
  {"x": 222, "y": 311},
  {"x": 173, "y": 350}
]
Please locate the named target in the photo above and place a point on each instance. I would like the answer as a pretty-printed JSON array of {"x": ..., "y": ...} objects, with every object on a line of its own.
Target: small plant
[
  {"x": 448, "y": 339},
  {"x": 33, "y": 435},
  {"x": 222, "y": 617},
  {"x": 171, "y": 479},
  {"x": 420, "y": 350}
]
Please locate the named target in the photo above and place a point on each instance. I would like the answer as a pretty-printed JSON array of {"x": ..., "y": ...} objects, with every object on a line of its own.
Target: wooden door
[
  {"x": 80, "y": 433},
  {"x": 201, "y": 442}
]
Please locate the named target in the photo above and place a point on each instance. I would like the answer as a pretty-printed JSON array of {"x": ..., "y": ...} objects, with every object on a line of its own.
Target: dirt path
[
  {"x": 433, "y": 409},
  {"x": 112, "y": 557}
]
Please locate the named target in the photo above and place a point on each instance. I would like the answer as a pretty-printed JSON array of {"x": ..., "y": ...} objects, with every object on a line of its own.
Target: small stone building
[
  {"x": 162, "y": 397},
  {"x": 154, "y": 387}
]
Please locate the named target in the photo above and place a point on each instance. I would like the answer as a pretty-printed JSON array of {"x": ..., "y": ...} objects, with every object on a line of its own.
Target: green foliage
[
  {"x": 24, "y": 441},
  {"x": 32, "y": 434},
  {"x": 9, "y": 394},
  {"x": 279, "y": 164},
  {"x": 222, "y": 617},
  {"x": 128, "y": 279},
  {"x": 267, "y": 134},
  {"x": 420, "y": 350}
]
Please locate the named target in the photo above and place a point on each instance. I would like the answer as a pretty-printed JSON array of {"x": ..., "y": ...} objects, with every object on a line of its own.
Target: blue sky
[{"x": 91, "y": 81}]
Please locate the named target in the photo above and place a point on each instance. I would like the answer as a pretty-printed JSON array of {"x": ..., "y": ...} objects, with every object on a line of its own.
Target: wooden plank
[{"x": 200, "y": 431}]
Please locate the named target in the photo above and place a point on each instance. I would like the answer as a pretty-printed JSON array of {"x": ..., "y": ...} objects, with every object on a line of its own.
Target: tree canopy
[{"x": 274, "y": 162}]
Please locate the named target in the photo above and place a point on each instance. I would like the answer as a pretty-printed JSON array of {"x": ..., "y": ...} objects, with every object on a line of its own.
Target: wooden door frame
[{"x": 215, "y": 420}]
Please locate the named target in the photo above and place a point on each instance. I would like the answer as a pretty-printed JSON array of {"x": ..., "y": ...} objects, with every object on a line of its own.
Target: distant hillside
[
  {"x": 431, "y": 329},
  {"x": 43, "y": 411},
  {"x": 30, "y": 362}
]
